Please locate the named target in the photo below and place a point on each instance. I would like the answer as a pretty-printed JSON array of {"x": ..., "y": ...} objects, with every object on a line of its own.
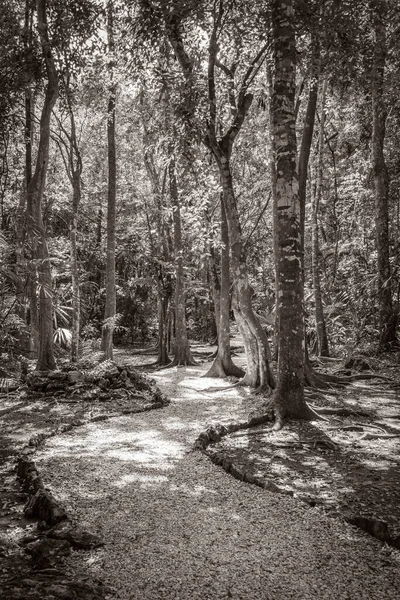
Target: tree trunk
[
  {"x": 182, "y": 355},
  {"x": 163, "y": 324},
  {"x": 304, "y": 158},
  {"x": 76, "y": 301},
  {"x": 110, "y": 307},
  {"x": 272, "y": 174},
  {"x": 223, "y": 364},
  {"x": 255, "y": 340},
  {"x": 31, "y": 274},
  {"x": 387, "y": 321},
  {"x": 323, "y": 347},
  {"x": 288, "y": 398},
  {"x": 35, "y": 191},
  {"x": 215, "y": 288}
]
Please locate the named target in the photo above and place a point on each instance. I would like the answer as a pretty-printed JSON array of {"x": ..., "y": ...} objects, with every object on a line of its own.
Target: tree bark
[
  {"x": 27, "y": 272},
  {"x": 69, "y": 148},
  {"x": 76, "y": 300},
  {"x": 304, "y": 157},
  {"x": 387, "y": 320},
  {"x": 163, "y": 325},
  {"x": 35, "y": 191},
  {"x": 322, "y": 337},
  {"x": 110, "y": 306},
  {"x": 32, "y": 270},
  {"x": 183, "y": 355},
  {"x": 223, "y": 364},
  {"x": 259, "y": 373},
  {"x": 255, "y": 340},
  {"x": 288, "y": 400}
]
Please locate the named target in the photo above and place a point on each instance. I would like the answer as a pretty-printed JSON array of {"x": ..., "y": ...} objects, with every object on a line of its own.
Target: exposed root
[
  {"x": 176, "y": 362},
  {"x": 152, "y": 350},
  {"x": 340, "y": 412},
  {"x": 184, "y": 363},
  {"x": 279, "y": 423},
  {"x": 223, "y": 369},
  {"x": 307, "y": 414},
  {"x": 383, "y": 436},
  {"x": 211, "y": 390},
  {"x": 262, "y": 390},
  {"x": 357, "y": 427}
]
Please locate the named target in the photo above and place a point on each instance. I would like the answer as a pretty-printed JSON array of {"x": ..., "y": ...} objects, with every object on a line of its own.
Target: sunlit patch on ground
[{"x": 141, "y": 480}]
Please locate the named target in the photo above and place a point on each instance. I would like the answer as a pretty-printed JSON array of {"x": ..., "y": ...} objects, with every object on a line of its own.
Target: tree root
[
  {"x": 189, "y": 362},
  {"x": 360, "y": 376},
  {"x": 383, "y": 436},
  {"x": 212, "y": 390},
  {"x": 357, "y": 427},
  {"x": 219, "y": 369},
  {"x": 317, "y": 442},
  {"x": 152, "y": 350},
  {"x": 340, "y": 412}
]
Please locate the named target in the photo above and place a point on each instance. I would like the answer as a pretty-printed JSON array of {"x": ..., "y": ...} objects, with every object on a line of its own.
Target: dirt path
[{"x": 177, "y": 526}]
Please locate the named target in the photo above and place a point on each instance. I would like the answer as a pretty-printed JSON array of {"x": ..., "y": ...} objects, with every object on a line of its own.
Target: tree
[
  {"x": 288, "y": 399},
  {"x": 111, "y": 303},
  {"x": 182, "y": 353},
  {"x": 223, "y": 364},
  {"x": 259, "y": 373},
  {"x": 69, "y": 148},
  {"x": 323, "y": 348},
  {"x": 35, "y": 192},
  {"x": 387, "y": 318}
]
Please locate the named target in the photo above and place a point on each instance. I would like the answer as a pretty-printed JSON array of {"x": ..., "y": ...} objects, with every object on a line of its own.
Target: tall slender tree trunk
[
  {"x": 215, "y": 288},
  {"x": 322, "y": 337},
  {"x": 288, "y": 398},
  {"x": 183, "y": 355},
  {"x": 387, "y": 321},
  {"x": 304, "y": 157},
  {"x": 110, "y": 306},
  {"x": 76, "y": 300},
  {"x": 35, "y": 191},
  {"x": 272, "y": 174},
  {"x": 32, "y": 271},
  {"x": 27, "y": 286},
  {"x": 223, "y": 364}
]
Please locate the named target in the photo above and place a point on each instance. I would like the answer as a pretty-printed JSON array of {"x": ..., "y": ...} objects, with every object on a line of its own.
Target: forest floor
[{"x": 177, "y": 526}]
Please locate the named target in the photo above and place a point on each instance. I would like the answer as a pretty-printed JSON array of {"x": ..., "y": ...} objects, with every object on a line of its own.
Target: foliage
[{"x": 158, "y": 110}]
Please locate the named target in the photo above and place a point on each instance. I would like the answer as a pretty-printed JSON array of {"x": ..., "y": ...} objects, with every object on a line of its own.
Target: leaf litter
[{"x": 177, "y": 526}]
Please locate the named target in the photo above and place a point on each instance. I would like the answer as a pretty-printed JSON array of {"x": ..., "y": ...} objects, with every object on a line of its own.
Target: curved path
[{"x": 178, "y": 527}]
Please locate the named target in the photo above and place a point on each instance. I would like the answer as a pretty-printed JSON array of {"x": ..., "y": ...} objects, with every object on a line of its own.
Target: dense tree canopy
[{"x": 250, "y": 152}]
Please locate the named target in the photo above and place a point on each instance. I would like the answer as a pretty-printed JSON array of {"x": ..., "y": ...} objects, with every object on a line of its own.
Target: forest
[{"x": 200, "y": 215}]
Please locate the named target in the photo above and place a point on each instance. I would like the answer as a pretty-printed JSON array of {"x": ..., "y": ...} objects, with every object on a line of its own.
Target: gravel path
[{"x": 178, "y": 527}]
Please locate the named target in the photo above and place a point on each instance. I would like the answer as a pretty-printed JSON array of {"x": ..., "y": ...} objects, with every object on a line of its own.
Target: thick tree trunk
[
  {"x": 110, "y": 306},
  {"x": 182, "y": 356},
  {"x": 387, "y": 321},
  {"x": 288, "y": 398},
  {"x": 322, "y": 337},
  {"x": 35, "y": 190},
  {"x": 223, "y": 364}
]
